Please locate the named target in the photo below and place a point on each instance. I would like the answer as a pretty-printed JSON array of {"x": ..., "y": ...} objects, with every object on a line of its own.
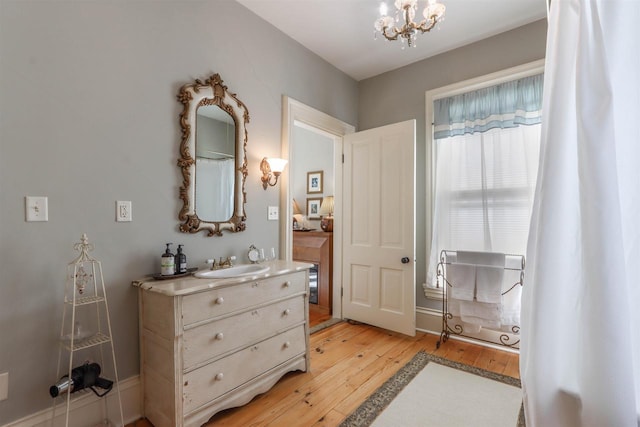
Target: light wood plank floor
[
  {"x": 348, "y": 363},
  {"x": 317, "y": 315}
]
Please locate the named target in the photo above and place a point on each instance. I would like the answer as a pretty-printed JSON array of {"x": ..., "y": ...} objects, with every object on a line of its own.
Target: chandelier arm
[
  {"x": 426, "y": 28},
  {"x": 393, "y": 36}
]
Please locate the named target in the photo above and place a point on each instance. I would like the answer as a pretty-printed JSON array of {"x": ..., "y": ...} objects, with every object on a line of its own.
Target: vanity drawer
[
  {"x": 207, "y": 383},
  {"x": 212, "y": 339},
  {"x": 218, "y": 302}
]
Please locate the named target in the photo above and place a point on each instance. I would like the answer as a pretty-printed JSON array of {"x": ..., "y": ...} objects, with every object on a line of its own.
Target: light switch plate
[
  {"x": 123, "y": 211},
  {"x": 36, "y": 208},
  {"x": 273, "y": 213}
]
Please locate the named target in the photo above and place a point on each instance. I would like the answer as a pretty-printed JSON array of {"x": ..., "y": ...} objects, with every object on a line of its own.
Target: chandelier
[{"x": 385, "y": 25}]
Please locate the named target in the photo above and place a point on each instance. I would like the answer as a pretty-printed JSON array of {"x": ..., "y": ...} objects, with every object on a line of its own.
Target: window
[{"x": 485, "y": 160}]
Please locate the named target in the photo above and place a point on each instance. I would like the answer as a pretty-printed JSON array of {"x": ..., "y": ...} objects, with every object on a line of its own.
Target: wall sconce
[{"x": 271, "y": 168}]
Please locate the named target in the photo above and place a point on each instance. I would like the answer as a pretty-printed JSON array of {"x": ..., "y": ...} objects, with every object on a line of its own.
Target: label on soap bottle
[{"x": 167, "y": 266}]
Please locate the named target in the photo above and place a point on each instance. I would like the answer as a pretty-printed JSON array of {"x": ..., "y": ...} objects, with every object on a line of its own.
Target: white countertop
[{"x": 190, "y": 284}]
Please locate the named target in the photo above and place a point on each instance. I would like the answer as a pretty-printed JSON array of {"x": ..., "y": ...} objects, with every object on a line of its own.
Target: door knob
[{"x": 405, "y": 260}]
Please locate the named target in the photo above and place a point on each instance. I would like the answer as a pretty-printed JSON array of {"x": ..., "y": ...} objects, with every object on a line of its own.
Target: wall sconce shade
[{"x": 271, "y": 168}]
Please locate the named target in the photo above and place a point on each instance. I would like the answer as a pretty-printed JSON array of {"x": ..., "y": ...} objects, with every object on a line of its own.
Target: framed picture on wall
[
  {"x": 314, "y": 182},
  {"x": 313, "y": 207}
]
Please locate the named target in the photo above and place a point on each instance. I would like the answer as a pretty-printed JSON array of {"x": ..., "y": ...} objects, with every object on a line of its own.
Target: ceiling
[{"x": 341, "y": 31}]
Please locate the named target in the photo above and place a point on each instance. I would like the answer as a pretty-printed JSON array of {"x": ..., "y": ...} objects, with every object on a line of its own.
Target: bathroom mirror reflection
[
  {"x": 215, "y": 164},
  {"x": 212, "y": 158}
]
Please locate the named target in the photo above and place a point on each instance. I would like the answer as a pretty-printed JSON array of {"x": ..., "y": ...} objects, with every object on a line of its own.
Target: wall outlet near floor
[
  {"x": 4, "y": 386},
  {"x": 123, "y": 211},
  {"x": 273, "y": 213}
]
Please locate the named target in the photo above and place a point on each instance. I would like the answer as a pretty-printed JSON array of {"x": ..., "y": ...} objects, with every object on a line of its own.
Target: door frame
[{"x": 296, "y": 113}]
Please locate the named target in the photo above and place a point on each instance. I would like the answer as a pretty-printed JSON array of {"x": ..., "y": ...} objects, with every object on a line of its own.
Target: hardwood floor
[
  {"x": 317, "y": 315},
  {"x": 348, "y": 363}
]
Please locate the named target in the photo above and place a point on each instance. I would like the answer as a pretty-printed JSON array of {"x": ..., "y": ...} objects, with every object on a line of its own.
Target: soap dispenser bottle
[
  {"x": 168, "y": 262},
  {"x": 181, "y": 261}
]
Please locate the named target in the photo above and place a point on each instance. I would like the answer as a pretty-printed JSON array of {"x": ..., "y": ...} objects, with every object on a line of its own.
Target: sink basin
[{"x": 230, "y": 272}]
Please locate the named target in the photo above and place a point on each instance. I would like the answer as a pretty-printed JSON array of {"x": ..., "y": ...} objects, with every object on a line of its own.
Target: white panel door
[{"x": 379, "y": 220}]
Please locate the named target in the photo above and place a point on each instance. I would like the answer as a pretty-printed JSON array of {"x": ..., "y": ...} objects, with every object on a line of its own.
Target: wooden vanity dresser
[{"x": 212, "y": 344}]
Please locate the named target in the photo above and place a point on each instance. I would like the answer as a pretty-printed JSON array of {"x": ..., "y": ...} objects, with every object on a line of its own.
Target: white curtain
[
  {"x": 580, "y": 348},
  {"x": 484, "y": 191},
  {"x": 214, "y": 188}
]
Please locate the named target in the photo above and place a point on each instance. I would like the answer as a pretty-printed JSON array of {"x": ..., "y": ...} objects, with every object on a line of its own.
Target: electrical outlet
[
  {"x": 272, "y": 213},
  {"x": 36, "y": 208},
  {"x": 123, "y": 211},
  {"x": 4, "y": 386}
]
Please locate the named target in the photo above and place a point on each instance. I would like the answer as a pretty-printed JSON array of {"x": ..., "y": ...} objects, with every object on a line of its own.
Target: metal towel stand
[{"x": 450, "y": 327}]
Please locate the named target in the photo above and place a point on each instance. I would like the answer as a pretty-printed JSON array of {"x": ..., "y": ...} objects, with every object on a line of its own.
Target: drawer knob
[
  {"x": 287, "y": 284},
  {"x": 219, "y": 300},
  {"x": 220, "y": 376},
  {"x": 287, "y": 344},
  {"x": 287, "y": 311},
  {"x": 219, "y": 336}
]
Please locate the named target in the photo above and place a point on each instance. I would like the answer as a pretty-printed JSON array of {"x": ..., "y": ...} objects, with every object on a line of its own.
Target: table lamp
[{"x": 326, "y": 212}]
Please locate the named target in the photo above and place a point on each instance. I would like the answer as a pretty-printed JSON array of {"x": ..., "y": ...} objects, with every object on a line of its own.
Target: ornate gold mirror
[{"x": 213, "y": 158}]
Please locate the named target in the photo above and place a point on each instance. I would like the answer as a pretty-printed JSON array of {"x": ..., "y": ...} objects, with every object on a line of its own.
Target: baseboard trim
[
  {"x": 87, "y": 409},
  {"x": 428, "y": 320}
]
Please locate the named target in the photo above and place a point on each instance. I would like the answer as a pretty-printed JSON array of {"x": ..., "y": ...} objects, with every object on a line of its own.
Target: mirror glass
[
  {"x": 212, "y": 158},
  {"x": 215, "y": 163}
]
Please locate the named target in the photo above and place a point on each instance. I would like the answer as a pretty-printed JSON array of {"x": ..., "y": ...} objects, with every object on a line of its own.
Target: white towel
[
  {"x": 471, "y": 328},
  {"x": 511, "y": 300},
  {"x": 489, "y": 283},
  {"x": 481, "y": 258},
  {"x": 480, "y": 313},
  {"x": 462, "y": 278},
  {"x": 453, "y": 307},
  {"x": 491, "y": 324},
  {"x": 467, "y": 328}
]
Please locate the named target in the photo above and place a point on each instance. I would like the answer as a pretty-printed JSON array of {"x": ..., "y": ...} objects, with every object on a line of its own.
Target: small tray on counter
[{"x": 159, "y": 276}]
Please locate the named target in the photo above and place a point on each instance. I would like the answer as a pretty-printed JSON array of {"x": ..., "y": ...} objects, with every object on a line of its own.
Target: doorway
[
  {"x": 312, "y": 184},
  {"x": 301, "y": 121}
]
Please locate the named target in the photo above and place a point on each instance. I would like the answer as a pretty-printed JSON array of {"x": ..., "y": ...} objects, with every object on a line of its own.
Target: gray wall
[
  {"x": 89, "y": 116},
  {"x": 399, "y": 95}
]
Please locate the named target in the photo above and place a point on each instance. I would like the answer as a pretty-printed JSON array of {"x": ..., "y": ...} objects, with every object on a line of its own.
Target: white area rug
[{"x": 431, "y": 391}]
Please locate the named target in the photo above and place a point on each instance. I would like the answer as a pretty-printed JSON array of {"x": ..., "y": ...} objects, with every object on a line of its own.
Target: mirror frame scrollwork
[{"x": 193, "y": 95}]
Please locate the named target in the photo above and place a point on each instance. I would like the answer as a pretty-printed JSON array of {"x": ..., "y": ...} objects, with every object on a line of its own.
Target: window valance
[{"x": 507, "y": 105}]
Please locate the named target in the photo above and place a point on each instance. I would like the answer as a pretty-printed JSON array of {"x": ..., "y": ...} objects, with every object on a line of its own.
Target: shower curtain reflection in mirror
[{"x": 214, "y": 202}]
